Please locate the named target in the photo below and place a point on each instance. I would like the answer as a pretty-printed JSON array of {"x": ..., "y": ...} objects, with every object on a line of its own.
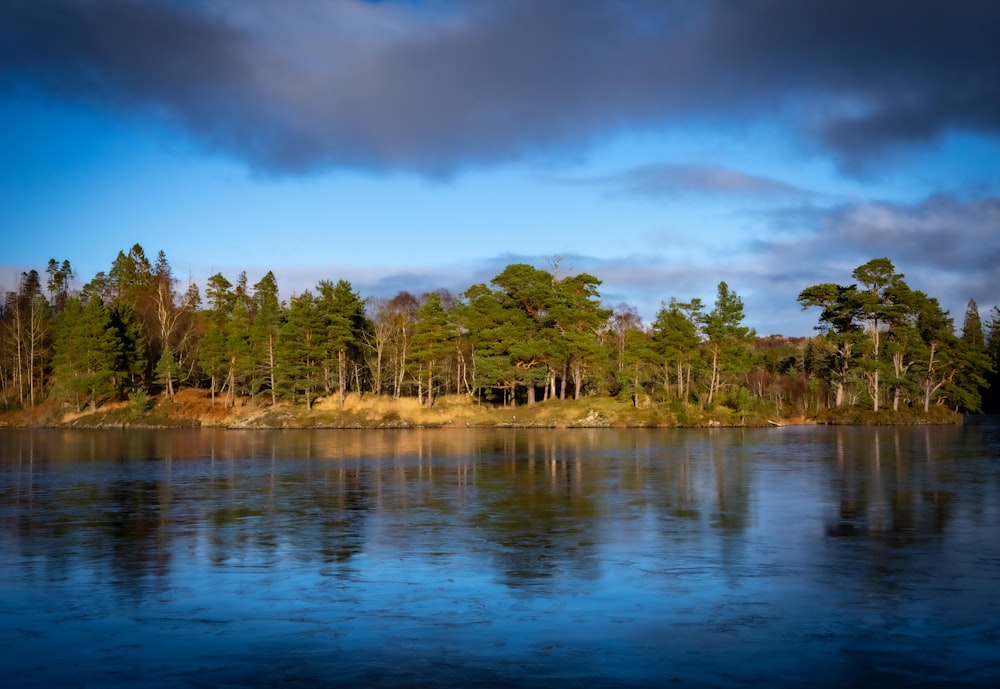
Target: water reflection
[{"x": 618, "y": 558}]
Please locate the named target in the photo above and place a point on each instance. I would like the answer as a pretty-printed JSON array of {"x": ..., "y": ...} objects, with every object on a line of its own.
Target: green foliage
[
  {"x": 302, "y": 349},
  {"x": 86, "y": 351},
  {"x": 527, "y": 333}
]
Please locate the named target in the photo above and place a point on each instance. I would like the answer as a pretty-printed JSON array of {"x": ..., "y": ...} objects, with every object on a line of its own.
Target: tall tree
[
  {"x": 132, "y": 363},
  {"x": 265, "y": 329},
  {"x": 85, "y": 355},
  {"x": 301, "y": 348},
  {"x": 879, "y": 307},
  {"x": 577, "y": 316},
  {"x": 526, "y": 296},
  {"x": 212, "y": 357},
  {"x": 675, "y": 339},
  {"x": 59, "y": 283},
  {"x": 433, "y": 339},
  {"x": 972, "y": 327},
  {"x": 838, "y": 322},
  {"x": 726, "y": 337},
  {"x": 993, "y": 360},
  {"x": 343, "y": 314}
]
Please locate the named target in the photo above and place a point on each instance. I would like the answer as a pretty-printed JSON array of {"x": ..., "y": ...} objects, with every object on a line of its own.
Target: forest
[{"x": 134, "y": 334}]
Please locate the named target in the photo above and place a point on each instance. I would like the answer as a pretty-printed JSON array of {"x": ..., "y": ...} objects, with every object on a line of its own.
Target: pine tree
[
  {"x": 212, "y": 357},
  {"x": 726, "y": 338},
  {"x": 676, "y": 341},
  {"x": 264, "y": 331},
  {"x": 433, "y": 338},
  {"x": 343, "y": 314},
  {"x": 301, "y": 348},
  {"x": 167, "y": 371},
  {"x": 85, "y": 353},
  {"x": 972, "y": 327}
]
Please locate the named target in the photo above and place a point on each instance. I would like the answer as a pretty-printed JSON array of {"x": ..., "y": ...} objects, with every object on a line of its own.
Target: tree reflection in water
[{"x": 788, "y": 556}]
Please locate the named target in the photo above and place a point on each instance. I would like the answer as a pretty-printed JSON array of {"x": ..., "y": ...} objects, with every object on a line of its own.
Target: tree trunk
[
  {"x": 712, "y": 383},
  {"x": 341, "y": 376},
  {"x": 271, "y": 367},
  {"x": 430, "y": 384}
]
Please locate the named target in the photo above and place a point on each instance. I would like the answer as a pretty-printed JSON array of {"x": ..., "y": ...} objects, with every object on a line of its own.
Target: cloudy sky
[{"x": 660, "y": 145}]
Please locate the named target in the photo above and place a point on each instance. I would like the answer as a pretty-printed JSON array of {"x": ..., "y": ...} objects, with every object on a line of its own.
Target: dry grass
[{"x": 193, "y": 407}]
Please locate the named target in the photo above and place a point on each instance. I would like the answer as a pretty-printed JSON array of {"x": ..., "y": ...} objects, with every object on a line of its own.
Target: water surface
[{"x": 783, "y": 557}]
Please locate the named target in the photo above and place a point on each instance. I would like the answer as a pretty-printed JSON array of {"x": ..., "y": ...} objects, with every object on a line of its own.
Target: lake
[{"x": 779, "y": 557}]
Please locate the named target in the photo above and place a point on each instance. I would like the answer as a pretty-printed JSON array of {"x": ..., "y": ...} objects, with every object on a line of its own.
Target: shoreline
[{"x": 193, "y": 408}]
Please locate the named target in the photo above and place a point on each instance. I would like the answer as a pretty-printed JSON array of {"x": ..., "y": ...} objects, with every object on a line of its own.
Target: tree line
[{"x": 530, "y": 334}]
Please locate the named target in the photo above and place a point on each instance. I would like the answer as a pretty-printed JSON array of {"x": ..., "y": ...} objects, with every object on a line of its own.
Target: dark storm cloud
[{"x": 438, "y": 85}]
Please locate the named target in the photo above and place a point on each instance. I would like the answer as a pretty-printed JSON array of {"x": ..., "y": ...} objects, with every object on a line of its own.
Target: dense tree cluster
[{"x": 529, "y": 334}]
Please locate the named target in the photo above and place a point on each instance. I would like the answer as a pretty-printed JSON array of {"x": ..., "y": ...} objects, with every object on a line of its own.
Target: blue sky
[{"x": 661, "y": 146}]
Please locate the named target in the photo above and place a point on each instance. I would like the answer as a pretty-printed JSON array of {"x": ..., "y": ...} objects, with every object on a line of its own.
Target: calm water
[{"x": 782, "y": 557}]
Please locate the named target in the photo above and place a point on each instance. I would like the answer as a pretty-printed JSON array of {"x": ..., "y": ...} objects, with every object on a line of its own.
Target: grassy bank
[{"x": 194, "y": 408}]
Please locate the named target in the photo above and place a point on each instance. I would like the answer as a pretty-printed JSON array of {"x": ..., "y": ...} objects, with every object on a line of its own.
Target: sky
[{"x": 662, "y": 146}]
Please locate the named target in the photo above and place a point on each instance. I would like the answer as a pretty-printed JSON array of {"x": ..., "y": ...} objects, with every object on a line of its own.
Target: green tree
[
  {"x": 993, "y": 360},
  {"x": 132, "y": 364},
  {"x": 577, "y": 316},
  {"x": 212, "y": 357},
  {"x": 526, "y": 296},
  {"x": 301, "y": 348},
  {"x": 727, "y": 339},
  {"x": 940, "y": 360},
  {"x": 265, "y": 330},
  {"x": 433, "y": 339},
  {"x": 839, "y": 325},
  {"x": 972, "y": 327},
  {"x": 491, "y": 332},
  {"x": 238, "y": 350},
  {"x": 880, "y": 306},
  {"x": 86, "y": 350},
  {"x": 59, "y": 282},
  {"x": 676, "y": 340},
  {"x": 632, "y": 354},
  {"x": 343, "y": 314},
  {"x": 167, "y": 371}
]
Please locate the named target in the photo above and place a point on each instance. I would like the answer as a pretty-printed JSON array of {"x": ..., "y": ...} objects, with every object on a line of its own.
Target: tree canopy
[{"x": 528, "y": 335}]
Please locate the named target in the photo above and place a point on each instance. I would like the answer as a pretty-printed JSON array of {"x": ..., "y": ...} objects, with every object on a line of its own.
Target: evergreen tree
[
  {"x": 59, "y": 282},
  {"x": 301, "y": 348},
  {"x": 972, "y": 327},
  {"x": 879, "y": 307},
  {"x": 132, "y": 365},
  {"x": 726, "y": 338},
  {"x": 264, "y": 331},
  {"x": 633, "y": 352},
  {"x": 167, "y": 371},
  {"x": 675, "y": 339},
  {"x": 433, "y": 339},
  {"x": 492, "y": 332},
  {"x": 212, "y": 357},
  {"x": 842, "y": 333},
  {"x": 992, "y": 375},
  {"x": 238, "y": 351},
  {"x": 343, "y": 314},
  {"x": 86, "y": 351},
  {"x": 577, "y": 317}
]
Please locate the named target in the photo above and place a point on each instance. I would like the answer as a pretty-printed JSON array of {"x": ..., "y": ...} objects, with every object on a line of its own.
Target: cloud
[
  {"x": 674, "y": 179},
  {"x": 945, "y": 246},
  {"x": 436, "y": 86}
]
